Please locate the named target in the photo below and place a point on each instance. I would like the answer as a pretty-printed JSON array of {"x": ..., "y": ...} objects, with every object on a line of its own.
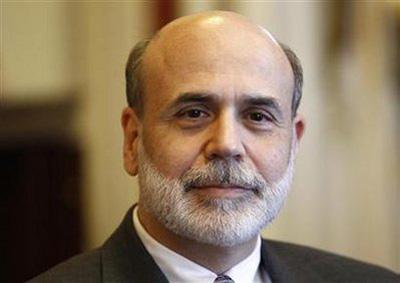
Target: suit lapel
[
  {"x": 125, "y": 259},
  {"x": 277, "y": 269},
  {"x": 281, "y": 269}
]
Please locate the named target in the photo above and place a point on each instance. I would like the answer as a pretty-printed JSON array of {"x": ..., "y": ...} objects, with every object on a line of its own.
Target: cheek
[
  {"x": 271, "y": 158},
  {"x": 170, "y": 153}
]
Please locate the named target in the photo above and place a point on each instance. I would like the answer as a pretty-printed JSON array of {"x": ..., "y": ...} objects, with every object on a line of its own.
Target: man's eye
[
  {"x": 193, "y": 117},
  {"x": 193, "y": 114},
  {"x": 258, "y": 117}
]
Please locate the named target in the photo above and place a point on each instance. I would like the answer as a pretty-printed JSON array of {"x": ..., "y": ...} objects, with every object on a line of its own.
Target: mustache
[{"x": 223, "y": 172}]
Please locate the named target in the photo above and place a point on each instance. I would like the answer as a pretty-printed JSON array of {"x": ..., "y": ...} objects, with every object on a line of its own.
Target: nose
[{"x": 225, "y": 139}]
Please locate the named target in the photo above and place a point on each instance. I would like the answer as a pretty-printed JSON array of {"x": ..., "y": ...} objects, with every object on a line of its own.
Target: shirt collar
[{"x": 180, "y": 269}]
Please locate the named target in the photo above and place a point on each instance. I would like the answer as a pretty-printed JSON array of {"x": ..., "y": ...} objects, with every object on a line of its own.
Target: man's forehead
[{"x": 212, "y": 36}]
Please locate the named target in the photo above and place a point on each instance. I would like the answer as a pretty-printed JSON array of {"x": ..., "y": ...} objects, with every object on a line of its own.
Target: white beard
[{"x": 220, "y": 221}]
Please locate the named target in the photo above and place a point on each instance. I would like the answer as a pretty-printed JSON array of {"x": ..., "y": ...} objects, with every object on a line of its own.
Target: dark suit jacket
[{"x": 123, "y": 258}]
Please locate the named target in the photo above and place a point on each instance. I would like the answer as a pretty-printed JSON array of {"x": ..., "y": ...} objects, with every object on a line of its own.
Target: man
[{"x": 212, "y": 132}]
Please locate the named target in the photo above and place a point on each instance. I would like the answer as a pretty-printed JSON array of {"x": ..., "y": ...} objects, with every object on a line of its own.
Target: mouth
[{"x": 220, "y": 190}]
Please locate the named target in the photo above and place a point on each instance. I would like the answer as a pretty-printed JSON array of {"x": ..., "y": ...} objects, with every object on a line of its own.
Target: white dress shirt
[{"x": 179, "y": 269}]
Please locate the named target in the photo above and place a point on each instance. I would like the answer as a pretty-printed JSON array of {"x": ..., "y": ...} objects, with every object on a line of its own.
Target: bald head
[
  {"x": 218, "y": 27},
  {"x": 215, "y": 21},
  {"x": 214, "y": 41}
]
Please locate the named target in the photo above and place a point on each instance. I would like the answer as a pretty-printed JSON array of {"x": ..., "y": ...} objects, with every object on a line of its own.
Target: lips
[
  {"x": 220, "y": 190},
  {"x": 221, "y": 187}
]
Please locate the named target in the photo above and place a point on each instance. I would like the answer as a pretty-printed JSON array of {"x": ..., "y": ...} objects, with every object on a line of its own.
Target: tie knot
[{"x": 222, "y": 278}]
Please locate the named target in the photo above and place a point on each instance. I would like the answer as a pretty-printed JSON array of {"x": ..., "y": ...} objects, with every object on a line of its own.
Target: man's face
[
  {"x": 209, "y": 98},
  {"x": 217, "y": 107}
]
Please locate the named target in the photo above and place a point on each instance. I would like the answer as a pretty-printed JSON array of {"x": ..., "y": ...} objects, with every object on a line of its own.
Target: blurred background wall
[{"x": 62, "y": 80}]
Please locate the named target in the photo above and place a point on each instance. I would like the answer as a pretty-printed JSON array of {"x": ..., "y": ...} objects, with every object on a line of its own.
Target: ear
[
  {"x": 298, "y": 128},
  {"x": 130, "y": 124}
]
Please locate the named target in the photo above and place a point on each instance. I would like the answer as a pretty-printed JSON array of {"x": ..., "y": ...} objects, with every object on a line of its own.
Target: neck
[{"x": 215, "y": 258}]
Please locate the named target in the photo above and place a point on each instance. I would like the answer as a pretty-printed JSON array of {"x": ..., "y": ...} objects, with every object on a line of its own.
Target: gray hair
[{"x": 134, "y": 77}]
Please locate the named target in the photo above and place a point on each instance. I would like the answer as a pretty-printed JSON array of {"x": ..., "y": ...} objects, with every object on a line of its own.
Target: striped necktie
[{"x": 223, "y": 279}]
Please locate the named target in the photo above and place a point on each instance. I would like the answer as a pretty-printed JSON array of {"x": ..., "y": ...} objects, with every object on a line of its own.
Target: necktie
[{"x": 223, "y": 279}]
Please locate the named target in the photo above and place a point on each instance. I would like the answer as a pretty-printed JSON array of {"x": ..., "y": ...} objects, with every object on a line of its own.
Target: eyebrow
[{"x": 187, "y": 97}]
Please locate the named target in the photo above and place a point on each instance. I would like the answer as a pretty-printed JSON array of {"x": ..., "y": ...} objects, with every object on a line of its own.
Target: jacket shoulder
[
  {"x": 85, "y": 267},
  {"x": 328, "y": 266}
]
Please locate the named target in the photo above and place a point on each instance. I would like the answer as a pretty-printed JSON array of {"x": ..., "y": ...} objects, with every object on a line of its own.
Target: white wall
[
  {"x": 109, "y": 32},
  {"x": 35, "y": 51}
]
